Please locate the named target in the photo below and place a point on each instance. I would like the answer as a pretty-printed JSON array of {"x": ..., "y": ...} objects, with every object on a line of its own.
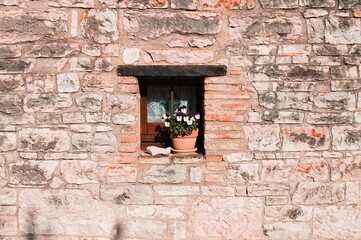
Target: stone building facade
[{"x": 282, "y": 128}]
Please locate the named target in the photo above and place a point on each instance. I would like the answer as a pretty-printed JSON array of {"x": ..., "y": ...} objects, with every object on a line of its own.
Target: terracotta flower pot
[{"x": 185, "y": 142}]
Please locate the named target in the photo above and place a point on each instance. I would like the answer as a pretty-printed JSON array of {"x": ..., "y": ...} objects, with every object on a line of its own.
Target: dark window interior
[{"x": 164, "y": 95}]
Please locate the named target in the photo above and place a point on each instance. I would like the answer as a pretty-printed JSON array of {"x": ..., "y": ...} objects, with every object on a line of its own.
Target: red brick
[
  {"x": 224, "y": 117},
  {"x": 226, "y": 95},
  {"x": 214, "y": 158}
]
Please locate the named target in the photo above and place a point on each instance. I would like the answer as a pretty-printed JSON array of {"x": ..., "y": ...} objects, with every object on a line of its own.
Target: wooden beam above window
[{"x": 172, "y": 70}]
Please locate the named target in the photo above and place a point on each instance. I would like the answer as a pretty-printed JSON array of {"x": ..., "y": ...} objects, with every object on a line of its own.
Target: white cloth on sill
[{"x": 153, "y": 150}]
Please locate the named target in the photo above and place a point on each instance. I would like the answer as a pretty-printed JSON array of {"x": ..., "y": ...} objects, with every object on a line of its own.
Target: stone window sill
[{"x": 185, "y": 158}]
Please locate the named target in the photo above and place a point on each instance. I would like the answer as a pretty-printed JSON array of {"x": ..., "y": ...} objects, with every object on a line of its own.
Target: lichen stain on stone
[
  {"x": 314, "y": 138},
  {"x": 2, "y": 139},
  {"x": 55, "y": 200},
  {"x": 27, "y": 174},
  {"x": 119, "y": 199},
  {"x": 39, "y": 144},
  {"x": 299, "y": 72},
  {"x": 294, "y": 213},
  {"x": 223, "y": 3},
  {"x": 280, "y": 28},
  {"x": 353, "y": 137}
]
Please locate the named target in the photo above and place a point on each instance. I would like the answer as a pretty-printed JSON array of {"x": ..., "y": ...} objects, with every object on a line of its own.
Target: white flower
[
  {"x": 165, "y": 116},
  {"x": 179, "y": 118},
  {"x": 185, "y": 118},
  {"x": 167, "y": 124},
  {"x": 183, "y": 110},
  {"x": 189, "y": 122},
  {"x": 197, "y": 116}
]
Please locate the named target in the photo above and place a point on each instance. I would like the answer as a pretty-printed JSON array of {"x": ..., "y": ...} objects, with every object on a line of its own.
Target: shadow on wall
[{"x": 115, "y": 234}]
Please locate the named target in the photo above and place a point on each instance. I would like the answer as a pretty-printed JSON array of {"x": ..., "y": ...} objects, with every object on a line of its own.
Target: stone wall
[{"x": 282, "y": 129}]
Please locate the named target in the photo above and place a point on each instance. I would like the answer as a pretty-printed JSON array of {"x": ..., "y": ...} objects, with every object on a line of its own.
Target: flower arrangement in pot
[{"x": 183, "y": 129}]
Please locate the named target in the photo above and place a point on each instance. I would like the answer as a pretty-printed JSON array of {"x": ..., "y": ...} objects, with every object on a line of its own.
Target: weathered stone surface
[
  {"x": 131, "y": 55},
  {"x": 285, "y": 100},
  {"x": 336, "y": 101},
  {"x": 103, "y": 65},
  {"x": 143, "y": 4},
  {"x": 333, "y": 223},
  {"x": 100, "y": 26},
  {"x": 2, "y": 168},
  {"x": 283, "y": 4},
  {"x": 11, "y": 51},
  {"x": 16, "y": 65},
  {"x": 72, "y": 3},
  {"x": 243, "y": 173},
  {"x": 305, "y": 138},
  {"x": 19, "y": 26},
  {"x": 73, "y": 117},
  {"x": 11, "y": 104},
  {"x": 9, "y": 225},
  {"x": 46, "y": 102},
  {"x": 262, "y": 137},
  {"x": 145, "y": 229},
  {"x": 348, "y": 169},
  {"x": 7, "y": 141},
  {"x": 315, "y": 30},
  {"x": 120, "y": 173},
  {"x": 8, "y": 210},
  {"x": 318, "y": 3},
  {"x": 344, "y": 72},
  {"x": 230, "y": 218},
  {"x": 164, "y": 174},
  {"x": 79, "y": 171},
  {"x": 104, "y": 142},
  {"x": 8, "y": 196},
  {"x": 65, "y": 212},
  {"x": 330, "y": 118},
  {"x": 201, "y": 43},
  {"x": 10, "y": 83},
  {"x": 31, "y": 172},
  {"x": 330, "y": 50},
  {"x": 288, "y": 230},
  {"x": 161, "y": 212},
  {"x": 288, "y": 213},
  {"x": 127, "y": 194},
  {"x": 343, "y": 31},
  {"x": 283, "y": 117},
  {"x": 181, "y": 57},
  {"x": 82, "y": 141},
  {"x": 268, "y": 189},
  {"x": 174, "y": 190},
  {"x": 123, "y": 119},
  {"x": 123, "y": 102},
  {"x": 81, "y": 64},
  {"x": 91, "y": 50},
  {"x": 89, "y": 102},
  {"x": 93, "y": 82},
  {"x": 52, "y": 50},
  {"x": 40, "y": 83},
  {"x": 319, "y": 193},
  {"x": 152, "y": 25},
  {"x": 67, "y": 83},
  {"x": 269, "y": 29},
  {"x": 346, "y": 138},
  {"x": 43, "y": 140}
]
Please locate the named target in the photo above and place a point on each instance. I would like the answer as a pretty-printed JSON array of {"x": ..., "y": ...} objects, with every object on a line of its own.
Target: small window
[{"x": 161, "y": 95}]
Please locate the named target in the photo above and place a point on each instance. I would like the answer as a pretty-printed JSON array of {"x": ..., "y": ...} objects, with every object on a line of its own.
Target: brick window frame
[{"x": 150, "y": 74}]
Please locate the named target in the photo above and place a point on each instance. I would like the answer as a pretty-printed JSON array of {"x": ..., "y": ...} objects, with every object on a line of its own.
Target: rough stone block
[
  {"x": 130, "y": 194},
  {"x": 120, "y": 173},
  {"x": 81, "y": 64},
  {"x": 346, "y": 169},
  {"x": 40, "y": 83},
  {"x": 318, "y": 3},
  {"x": 262, "y": 137},
  {"x": 346, "y": 138},
  {"x": 46, "y": 102},
  {"x": 243, "y": 173},
  {"x": 11, "y": 51},
  {"x": 11, "y": 83},
  {"x": 268, "y": 189},
  {"x": 283, "y": 117},
  {"x": 181, "y": 57},
  {"x": 100, "y": 26},
  {"x": 319, "y": 193},
  {"x": 123, "y": 119},
  {"x": 288, "y": 230},
  {"x": 333, "y": 223},
  {"x": 173, "y": 190},
  {"x": 97, "y": 83},
  {"x": 305, "y": 138},
  {"x": 65, "y": 212},
  {"x": 282, "y": 4},
  {"x": 43, "y": 140},
  {"x": 230, "y": 218},
  {"x": 9, "y": 225},
  {"x": 31, "y": 172},
  {"x": 152, "y": 25},
  {"x": 330, "y": 118},
  {"x": 7, "y": 141},
  {"x": 79, "y": 171},
  {"x": 141, "y": 229},
  {"x": 267, "y": 29},
  {"x": 89, "y": 102},
  {"x": 343, "y": 30},
  {"x": 67, "y": 83},
  {"x": 315, "y": 30},
  {"x": 288, "y": 213},
  {"x": 8, "y": 196},
  {"x": 124, "y": 102},
  {"x": 19, "y": 26},
  {"x": 16, "y": 65},
  {"x": 73, "y": 117},
  {"x": 164, "y": 174},
  {"x": 153, "y": 211},
  {"x": 330, "y": 50},
  {"x": 52, "y": 50},
  {"x": 286, "y": 100}
]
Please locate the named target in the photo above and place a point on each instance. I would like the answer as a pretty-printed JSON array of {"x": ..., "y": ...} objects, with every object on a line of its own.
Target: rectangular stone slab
[{"x": 172, "y": 71}]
